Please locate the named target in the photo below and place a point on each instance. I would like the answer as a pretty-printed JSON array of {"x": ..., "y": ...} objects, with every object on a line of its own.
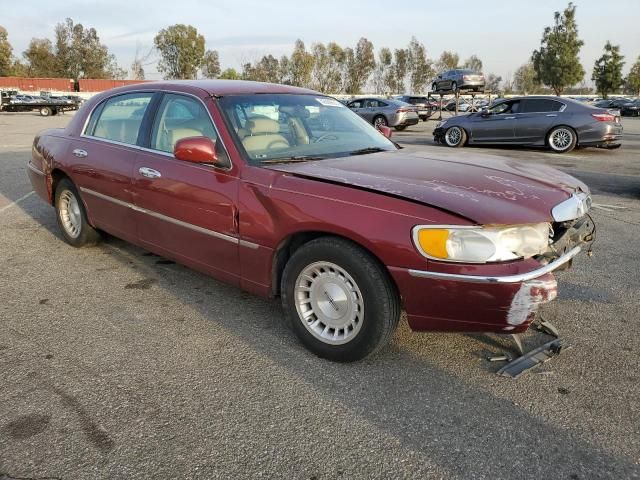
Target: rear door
[
  {"x": 186, "y": 210},
  {"x": 536, "y": 117},
  {"x": 105, "y": 155},
  {"x": 498, "y": 126}
]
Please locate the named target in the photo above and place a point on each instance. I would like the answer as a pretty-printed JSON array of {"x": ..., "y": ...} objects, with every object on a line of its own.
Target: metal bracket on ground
[{"x": 535, "y": 357}]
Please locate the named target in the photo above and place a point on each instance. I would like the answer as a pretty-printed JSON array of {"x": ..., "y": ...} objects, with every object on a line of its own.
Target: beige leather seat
[
  {"x": 264, "y": 134},
  {"x": 180, "y": 133}
]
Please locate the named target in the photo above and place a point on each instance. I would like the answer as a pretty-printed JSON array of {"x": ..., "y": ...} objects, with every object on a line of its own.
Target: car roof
[{"x": 220, "y": 87}]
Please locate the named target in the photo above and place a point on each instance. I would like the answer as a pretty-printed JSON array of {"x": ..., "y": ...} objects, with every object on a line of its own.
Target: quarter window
[{"x": 120, "y": 118}]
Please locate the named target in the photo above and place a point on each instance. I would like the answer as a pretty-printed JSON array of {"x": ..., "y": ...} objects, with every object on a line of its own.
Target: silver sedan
[{"x": 385, "y": 112}]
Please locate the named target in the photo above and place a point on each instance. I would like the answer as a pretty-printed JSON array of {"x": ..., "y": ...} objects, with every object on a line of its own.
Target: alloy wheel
[
  {"x": 561, "y": 139},
  {"x": 453, "y": 136}
]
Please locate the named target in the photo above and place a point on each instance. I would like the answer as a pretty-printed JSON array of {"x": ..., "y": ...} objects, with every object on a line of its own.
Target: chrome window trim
[
  {"x": 175, "y": 221},
  {"x": 518, "y": 278},
  {"x": 160, "y": 152}
]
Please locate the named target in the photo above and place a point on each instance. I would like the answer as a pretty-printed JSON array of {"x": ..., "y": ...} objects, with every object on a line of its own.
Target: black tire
[
  {"x": 424, "y": 118},
  {"x": 45, "y": 111},
  {"x": 400, "y": 128},
  {"x": 454, "y": 87},
  {"x": 455, "y": 137},
  {"x": 434, "y": 87},
  {"x": 77, "y": 232},
  {"x": 562, "y": 139},
  {"x": 380, "y": 120},
  {"x": 380, "y": 303}
]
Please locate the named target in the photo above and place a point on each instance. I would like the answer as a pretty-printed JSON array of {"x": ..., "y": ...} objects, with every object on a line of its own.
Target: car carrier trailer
[{"x": 45, "y": 108}]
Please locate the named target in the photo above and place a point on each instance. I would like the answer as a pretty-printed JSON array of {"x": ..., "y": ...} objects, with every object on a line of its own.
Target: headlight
[
  {"x": 441, "y": 124},
  {"x": 481, "y": 244}
]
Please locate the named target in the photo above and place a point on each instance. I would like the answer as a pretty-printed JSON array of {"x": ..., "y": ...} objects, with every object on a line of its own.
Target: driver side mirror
[
  {"x": 196, "y": 150},
  {"x": 485, "y": 112},
  {"x": 384, "y": 130}
]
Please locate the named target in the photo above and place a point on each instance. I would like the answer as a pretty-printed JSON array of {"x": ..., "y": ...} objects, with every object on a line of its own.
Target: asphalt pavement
[{"x": 116, "y": 363}]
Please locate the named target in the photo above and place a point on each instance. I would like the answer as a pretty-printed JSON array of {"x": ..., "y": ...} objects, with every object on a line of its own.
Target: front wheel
[
  {"x": 72, "y": 217},
  {"x": 400, "y": 128},
  {"x": 455, "y": 137},
  {"x": 454, "y": 87},
  {"x": 562, "y": 139},
  {"x": 339, "y": 300}
]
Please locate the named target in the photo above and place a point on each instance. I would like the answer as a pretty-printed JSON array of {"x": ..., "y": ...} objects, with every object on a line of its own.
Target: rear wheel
[
  {"x": 72, "y": 217},
  {"x": 380, "y": 121},
  {"x": 400, "y": 127},
  {"x": 434, "y": 87},
  {"x": 339, "y": 300},
  {"x": 454, "y": 87},
  {"x": 562, "y": 139},
  {"x": 455, "y": 137},
  {"x": 45, "y": 111}
]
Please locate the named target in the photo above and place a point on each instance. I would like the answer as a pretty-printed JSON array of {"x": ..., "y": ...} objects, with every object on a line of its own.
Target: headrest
[{"x": 263, "y": 125}]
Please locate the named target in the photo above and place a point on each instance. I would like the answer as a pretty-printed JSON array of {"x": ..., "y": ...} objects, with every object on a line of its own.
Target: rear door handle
[
  {"x": 78, "y": 152},
  {"x": 149, "y": 172},
  {"x": 509, "y": 118},
  {"x": 552, "y": 115}
]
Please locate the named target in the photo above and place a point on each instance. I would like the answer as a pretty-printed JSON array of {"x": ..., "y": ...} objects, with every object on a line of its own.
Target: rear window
[
  {"x": 120, "y": 118},
  {"x": 541, "y": 105}
]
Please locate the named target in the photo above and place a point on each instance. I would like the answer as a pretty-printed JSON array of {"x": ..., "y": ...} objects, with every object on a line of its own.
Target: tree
[
  {"x": 556, "y": 62},
  {"x": 230, "y": 74},
  {"x": 492, "y": 82},
  {"x": 359, "y": 65},
  {"x": 448, "y": 61},
  {"x": 41, "y": 61},
  {"x": 525, "y": 80},
  {"x": 300, "y": 65},
  {"x": 79, "y": 53},
  {"x": 326, "y": 75},
  {"x": 181, "y": 51},
  {"x": 284, "y": 72},
  {"x": 6, "y": 52},
  {"x": 140, "y": 61},
  {"x": 419, "y": 66},
  {"x": 473, "y": 63},
  {"x": 607, "y": 70},
  {"x": 210, "y": 67},
  {"x": 632, "y": 82},
  {"x": 400, "y": 67},
  {"x": 383, "y": 74}
]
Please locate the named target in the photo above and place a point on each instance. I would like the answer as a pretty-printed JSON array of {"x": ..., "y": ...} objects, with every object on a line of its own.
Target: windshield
[{"x": 285, "y": 127}]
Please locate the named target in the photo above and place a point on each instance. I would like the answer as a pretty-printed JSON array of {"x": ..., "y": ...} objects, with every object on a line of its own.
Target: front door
[
  {"x": 497, "y": 125},
  {"x": 185, "y": 210}
]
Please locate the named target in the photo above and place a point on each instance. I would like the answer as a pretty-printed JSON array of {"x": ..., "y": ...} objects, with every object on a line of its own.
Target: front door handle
[
  {"x": 149, "y": 172},
  {"x": 552, "y": 115},
  {"x": 78, "y": 152},
  {"x": 509, "y": 118}
]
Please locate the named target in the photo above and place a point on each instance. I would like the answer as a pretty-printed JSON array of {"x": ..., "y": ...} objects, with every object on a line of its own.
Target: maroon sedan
[{"x": 285, "y": 192}]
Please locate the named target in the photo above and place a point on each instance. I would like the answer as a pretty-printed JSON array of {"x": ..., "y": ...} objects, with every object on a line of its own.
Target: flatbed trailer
[{"x": 44, "y": 108}]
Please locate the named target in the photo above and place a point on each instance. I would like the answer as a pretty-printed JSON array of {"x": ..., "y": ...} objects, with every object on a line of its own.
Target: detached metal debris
[{"x": 535, "y": 357}]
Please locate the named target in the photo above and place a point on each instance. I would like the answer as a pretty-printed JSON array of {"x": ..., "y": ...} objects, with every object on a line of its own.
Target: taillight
[
  {"x": 603, "y": 117},
  {"x": 466, "y": 78},
  {"x": 402, "y": 110}
]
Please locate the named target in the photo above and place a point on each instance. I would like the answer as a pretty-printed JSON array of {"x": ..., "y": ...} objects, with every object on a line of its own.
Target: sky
[{"x": 501, "y": 33}]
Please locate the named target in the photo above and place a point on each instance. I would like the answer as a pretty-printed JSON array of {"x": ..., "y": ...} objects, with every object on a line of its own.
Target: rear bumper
[
  {"x": 438, "y": 301},
  {"x": 39, "y": 182},
  {"x": 600, "y": 134}
]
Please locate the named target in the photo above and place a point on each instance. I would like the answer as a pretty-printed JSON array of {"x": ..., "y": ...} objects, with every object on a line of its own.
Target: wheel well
[
  {"x": 292, "y": 243},
  {"x": 56, "y": 176}
]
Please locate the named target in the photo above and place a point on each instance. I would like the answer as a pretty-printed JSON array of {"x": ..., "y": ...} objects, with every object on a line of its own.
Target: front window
[
  {"x": 504, "y": 108},
  {"x": 287, "y": 127}
]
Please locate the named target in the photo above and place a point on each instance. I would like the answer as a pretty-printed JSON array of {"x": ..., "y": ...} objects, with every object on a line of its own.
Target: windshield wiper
[
  {"x": 293, "y": 159},
  {"x": 364, "y": 151}
]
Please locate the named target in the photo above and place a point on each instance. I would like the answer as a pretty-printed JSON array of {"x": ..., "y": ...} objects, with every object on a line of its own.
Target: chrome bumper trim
[
  {"x": 517, "y": 278},
  {"x": 34, "y": 169}
]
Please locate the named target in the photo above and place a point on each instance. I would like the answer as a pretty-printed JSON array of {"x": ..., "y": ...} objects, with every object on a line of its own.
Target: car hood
[{"x": 482, "y": 188}]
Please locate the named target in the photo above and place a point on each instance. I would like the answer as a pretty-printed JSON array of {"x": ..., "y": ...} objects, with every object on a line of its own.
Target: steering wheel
[{"x": 326, "y": 136}]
